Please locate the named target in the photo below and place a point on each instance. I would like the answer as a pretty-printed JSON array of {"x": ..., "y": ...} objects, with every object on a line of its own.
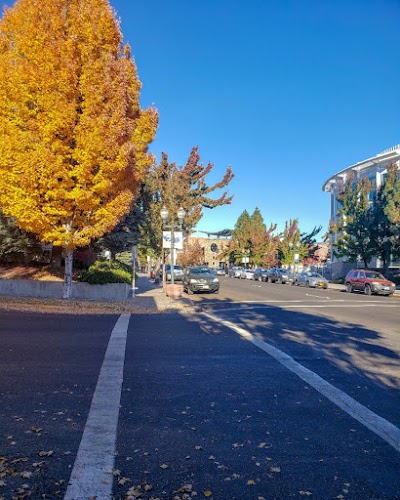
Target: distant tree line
[{"x": 261, "y": 246}]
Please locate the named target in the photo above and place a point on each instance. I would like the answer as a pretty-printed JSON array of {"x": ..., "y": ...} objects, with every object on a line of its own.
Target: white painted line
[
  {"x": 96, "y": 453},
  {"x": 300, "y": 306},
  {"x": 318, "y": 296},
  {"x": 383, "y": 428}
]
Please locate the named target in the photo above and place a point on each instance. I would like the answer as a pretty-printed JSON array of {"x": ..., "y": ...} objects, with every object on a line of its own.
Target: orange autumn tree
[{"x": 73, "y": 139}]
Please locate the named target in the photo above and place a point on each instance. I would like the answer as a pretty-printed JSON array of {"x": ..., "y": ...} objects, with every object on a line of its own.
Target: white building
[{"x": 375, "y": 169}]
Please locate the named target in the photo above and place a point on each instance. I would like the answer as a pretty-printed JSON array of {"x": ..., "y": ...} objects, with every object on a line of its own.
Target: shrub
[
  {"x": 102, "y": 272},
  {"x": 338, "y": 281}
]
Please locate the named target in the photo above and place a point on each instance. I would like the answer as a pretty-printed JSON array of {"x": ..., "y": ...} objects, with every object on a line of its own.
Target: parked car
[
  {"x": 234, "y": 272},
  {"x": 369, "y": 282},
  {"x": 261, "y": 274},
  {"x": 247, "y": 274},
  {"x": 178, "y": 272},
  {"x": 310, "y": 279},
  {"x": 200, "y": 279},
  {"x": 218, "y": 271},
  {"x": 279, "y": 276}
]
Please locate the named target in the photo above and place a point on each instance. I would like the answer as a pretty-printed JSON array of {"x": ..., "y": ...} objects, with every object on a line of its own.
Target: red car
[{"x": 367, "y": 281}]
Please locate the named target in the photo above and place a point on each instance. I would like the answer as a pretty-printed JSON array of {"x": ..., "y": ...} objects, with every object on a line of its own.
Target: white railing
[{"x": 393, "y": 148}]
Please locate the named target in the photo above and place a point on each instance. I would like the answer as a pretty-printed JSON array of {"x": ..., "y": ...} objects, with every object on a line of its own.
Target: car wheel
[
  {"x": 367, "y": 290},
  {"x": 190, "y": 291},
  {"x": 216, "y": 291},
  {"x": 307, "y": 284},
  {"x": 349, "y": 288},
  {"x": 259, "y": 278}
]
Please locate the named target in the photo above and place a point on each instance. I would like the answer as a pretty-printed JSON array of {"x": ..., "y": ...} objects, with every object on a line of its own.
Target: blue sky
[{"x": 287, "y": 92}]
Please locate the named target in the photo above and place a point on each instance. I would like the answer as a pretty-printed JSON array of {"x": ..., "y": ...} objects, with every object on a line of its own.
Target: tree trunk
[
  {"x": 56, "y": 257},
  {"x": 69, "y": 257}
]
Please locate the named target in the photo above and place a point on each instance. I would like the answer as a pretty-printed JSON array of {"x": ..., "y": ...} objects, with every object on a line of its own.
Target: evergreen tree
[
  {"x": 309, "y": 240},
  {"x": 391, "y": 210},
  {"x": 291, "y": 244},
  {"x": 16, "y": 245},
  {"x": 252, "y": 239},
  {"x": 355, "y": 219}
]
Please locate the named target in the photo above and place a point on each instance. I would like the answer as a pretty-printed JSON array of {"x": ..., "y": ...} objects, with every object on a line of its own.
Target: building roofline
[{"x": 388, "y": 154}]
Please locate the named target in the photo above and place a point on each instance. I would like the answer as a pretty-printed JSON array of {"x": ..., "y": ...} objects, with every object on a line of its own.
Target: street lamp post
[
  {"x": 245, "y": 257},
  {"x": 291, "y": 245},
  {"x": 172, "y": 226}
]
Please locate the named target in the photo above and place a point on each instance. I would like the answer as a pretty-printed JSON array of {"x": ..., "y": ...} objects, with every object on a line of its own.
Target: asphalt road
[{"x": 263, "y": 391}]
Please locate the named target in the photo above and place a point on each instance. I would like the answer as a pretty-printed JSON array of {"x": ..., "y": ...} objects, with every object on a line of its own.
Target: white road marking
[
  {"x": 96, "y": 453},
  {"x": 286, "y": 305},
  {"x": 383, "y": 428},
  {"x": 318, "y": 296}
]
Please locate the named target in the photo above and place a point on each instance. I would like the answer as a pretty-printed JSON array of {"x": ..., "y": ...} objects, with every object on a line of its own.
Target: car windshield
[
  {"x": 314, "y": 275},
  {"x": 374, "y": 276},
  {"x": 200, "y": 270}
]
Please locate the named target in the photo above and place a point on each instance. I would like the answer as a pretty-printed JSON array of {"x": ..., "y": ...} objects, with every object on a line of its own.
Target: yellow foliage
[{"x": 73, "y": 139}]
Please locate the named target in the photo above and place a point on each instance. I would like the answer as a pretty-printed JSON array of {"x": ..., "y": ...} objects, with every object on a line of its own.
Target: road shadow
[{"x": 317, "y": 341}]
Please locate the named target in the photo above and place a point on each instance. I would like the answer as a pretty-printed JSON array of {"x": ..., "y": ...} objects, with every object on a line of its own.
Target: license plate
[
  {"x": 386, "y": 288},
  {"x": 204, "y": 286},
  {"x": 321, "y": 284}
]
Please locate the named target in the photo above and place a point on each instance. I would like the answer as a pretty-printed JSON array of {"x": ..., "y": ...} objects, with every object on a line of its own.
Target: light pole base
[{"x": 174, "y": 290}]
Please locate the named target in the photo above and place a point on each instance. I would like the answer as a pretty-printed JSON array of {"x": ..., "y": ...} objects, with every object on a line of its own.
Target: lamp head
[
  {"x": 164, "y": 213},
  {"x": 181, "y": 214}
]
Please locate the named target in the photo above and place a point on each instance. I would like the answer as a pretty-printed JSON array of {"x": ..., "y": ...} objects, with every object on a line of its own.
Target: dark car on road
[
  {"x": 200, "y": 279},
  {"x": 369, "y": 282},
  {"x": 261, "y": 274},
  {"x": 278, "y": 275}
]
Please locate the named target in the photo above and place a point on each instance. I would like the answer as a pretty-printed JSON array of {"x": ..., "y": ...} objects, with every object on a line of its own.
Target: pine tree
[
  {"x": 291, "y": 244},
  {"x": 16, "y": 245},
  {"x": 353, "y": 227},
  {"x": 73, "y": 137},
  {"x": 251, "y": 237}
]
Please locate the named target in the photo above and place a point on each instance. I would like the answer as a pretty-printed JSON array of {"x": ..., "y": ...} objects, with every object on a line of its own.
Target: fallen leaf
[
  {"x": 185, "y": 488},
  {"x": 45, "y": 453},
  {"x": 250, "y": 482},
  {"x": 275, "y": 469},
  {"x": 207, "y": 493},
  {"x": 164, "y": 466},
  {"x": 305, "y": 493}
]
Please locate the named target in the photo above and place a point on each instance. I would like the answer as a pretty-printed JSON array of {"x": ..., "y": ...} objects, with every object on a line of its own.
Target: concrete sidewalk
[{"x": 150, "y": 296}]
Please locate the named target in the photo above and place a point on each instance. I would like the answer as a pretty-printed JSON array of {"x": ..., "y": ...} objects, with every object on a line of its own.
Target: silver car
[
  {"x": 235, "y": 272},
  {"x": 310, "y": 279},
  {"x": 247, "y": 274}
]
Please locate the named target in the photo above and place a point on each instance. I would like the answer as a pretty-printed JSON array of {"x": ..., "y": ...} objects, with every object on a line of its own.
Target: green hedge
[{"x": 102, "y": 272}]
